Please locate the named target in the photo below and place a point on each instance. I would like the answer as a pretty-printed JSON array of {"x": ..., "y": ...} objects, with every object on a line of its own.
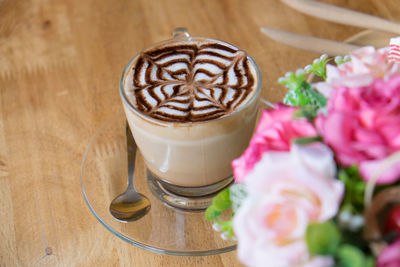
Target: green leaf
[
  {"x": 318, "y": 66},
  {"x": 355, "y": 188},
  {"x": 306, "y": 112},
  {"x": 293, "y": 80},
  {"x": 370, "y": 262},
  {"x": 307, "y": 140},
  {"x": 222, "y": 201},
  {"x": 225, "y": 226},
  {"x": 339, "y": 60},
  {"x": 212, "y": 214},
  {"x": 237, "y": 194},
  {"x": 226, "y": 229},
  {"x": 320, "y": 100},
  {"x": 350, "y": 256},
  {"x": 301, "y": 94},
  {"x": 322, "y": 238}
]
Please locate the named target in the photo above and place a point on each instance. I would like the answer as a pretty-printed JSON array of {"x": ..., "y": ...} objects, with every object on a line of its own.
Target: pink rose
[
  {"x": 363, "y": 127},
  {"x": 286, "y": 191},
  {"x": 366, "y": 65},
  {"x": 275, "y": 131},
  {"x": 390, "y": 256}
]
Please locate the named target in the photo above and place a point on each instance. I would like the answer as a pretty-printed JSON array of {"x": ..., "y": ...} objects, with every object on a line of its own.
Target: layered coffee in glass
[{"x": 191, "y": 103}]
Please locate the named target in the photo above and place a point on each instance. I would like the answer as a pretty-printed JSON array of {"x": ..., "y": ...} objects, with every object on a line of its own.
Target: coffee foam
[{"x": 190, "y": 81}]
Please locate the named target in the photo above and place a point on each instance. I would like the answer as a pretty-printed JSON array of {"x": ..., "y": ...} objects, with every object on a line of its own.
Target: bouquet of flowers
[{"x": 319, "y": 184}]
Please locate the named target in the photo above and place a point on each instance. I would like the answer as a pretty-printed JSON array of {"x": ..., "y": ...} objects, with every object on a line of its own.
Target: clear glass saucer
[{"x": 163, "y": 230}]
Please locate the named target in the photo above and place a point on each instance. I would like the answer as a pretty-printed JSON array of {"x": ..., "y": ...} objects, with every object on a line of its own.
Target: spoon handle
[{"x": 131, "y": 152}]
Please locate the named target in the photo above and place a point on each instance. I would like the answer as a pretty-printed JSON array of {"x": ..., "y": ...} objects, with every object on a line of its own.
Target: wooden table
[{"x": 60, "y": 63}]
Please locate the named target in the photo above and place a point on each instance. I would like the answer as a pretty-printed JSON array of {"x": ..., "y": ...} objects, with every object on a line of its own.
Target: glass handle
[{"x": 180, "y": 32}]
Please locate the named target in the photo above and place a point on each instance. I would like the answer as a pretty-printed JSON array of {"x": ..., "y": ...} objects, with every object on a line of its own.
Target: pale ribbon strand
[{"x": 267, "y": 103}]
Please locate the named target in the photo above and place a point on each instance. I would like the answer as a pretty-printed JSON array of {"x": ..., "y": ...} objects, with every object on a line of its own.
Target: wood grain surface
[{"x": 60, "y": 63}]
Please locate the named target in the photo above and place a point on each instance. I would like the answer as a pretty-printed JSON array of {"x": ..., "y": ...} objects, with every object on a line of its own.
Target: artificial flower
[
  {"x": 362, "y": 126},
  {"x": 390, "y": 256},
  {"x": 366, "y": 65},
  {"x": 304, "y": 184},
  {"x": 287, "y": 191},
  {"x": 275, "y": 132}
]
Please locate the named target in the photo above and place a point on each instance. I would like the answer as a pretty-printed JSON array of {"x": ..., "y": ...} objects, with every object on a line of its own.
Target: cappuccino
[
  {"x": 192, "y": 104},
  {"x": 190, "y": 81}
]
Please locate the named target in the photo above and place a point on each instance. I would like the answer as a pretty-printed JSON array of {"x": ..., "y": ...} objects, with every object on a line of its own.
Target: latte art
[{"x": 191, "y": 81}]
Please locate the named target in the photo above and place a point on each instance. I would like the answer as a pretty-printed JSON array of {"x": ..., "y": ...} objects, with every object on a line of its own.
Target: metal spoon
[{"x": 130, "y": 205}]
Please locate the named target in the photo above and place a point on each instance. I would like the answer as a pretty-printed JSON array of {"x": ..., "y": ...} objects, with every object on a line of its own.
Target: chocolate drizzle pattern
[{"x": 190, "y": 82}]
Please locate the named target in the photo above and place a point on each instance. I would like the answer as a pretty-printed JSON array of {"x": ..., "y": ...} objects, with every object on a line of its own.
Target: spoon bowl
[{"x": 130, "y": 205}]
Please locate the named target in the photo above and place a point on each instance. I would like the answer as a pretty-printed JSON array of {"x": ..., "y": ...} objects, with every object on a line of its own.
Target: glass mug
[{"x": 188, "y": 162}]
